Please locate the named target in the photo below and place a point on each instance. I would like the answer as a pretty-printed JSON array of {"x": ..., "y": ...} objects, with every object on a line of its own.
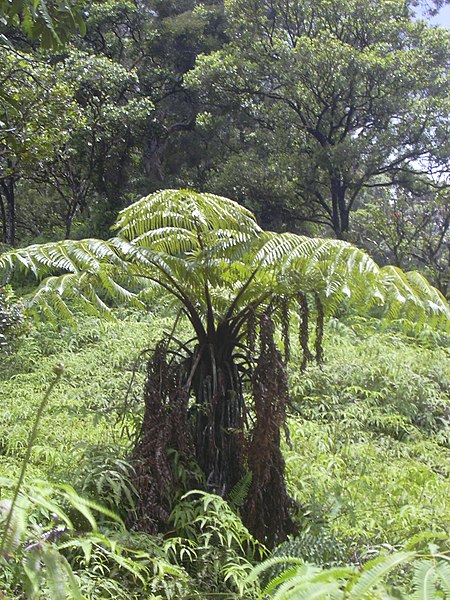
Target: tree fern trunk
[{"x": 218, "y": 422}]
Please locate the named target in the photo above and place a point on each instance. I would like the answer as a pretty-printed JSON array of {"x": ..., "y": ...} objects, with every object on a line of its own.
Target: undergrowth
[
  {"x": 95, "y": 405},
  {"x": 370, "y": 431},
  {"x": 367, "y": 461}
]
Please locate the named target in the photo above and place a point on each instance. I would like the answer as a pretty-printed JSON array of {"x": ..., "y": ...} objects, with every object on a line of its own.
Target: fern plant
[
  {"x": 304, "y": 581},
  {"x": 106, "y": 477},
  {"x": 234, "y": 283},
  {"x": 211, "y": 542}
]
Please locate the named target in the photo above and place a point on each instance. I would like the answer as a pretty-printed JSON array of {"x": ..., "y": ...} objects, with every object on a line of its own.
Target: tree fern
[
  {"x": 231, "y": 280},
  {"x": 184, "y": 240}
]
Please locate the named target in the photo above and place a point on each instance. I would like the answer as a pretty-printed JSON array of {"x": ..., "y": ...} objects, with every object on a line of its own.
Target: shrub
[{"x": 12, "y": 320}]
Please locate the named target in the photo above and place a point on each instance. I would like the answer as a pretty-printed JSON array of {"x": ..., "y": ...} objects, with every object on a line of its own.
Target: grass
[{"x": 85, "y": 410}]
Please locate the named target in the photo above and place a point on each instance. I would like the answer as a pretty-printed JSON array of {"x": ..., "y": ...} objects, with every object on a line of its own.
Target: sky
[{"x": 443, "y": 18}]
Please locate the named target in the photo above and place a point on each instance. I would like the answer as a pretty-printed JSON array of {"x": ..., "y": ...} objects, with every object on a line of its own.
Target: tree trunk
[
  {"x": 3, "y": 216},
  {"x": 68, "y": 220},
  {"x": 73, "y": 205},
  {"x": 340, "y": 210},
  {"x": 219, "y": 420},
  {"x": 8, "y": 188},
  {"x": 197, "y": 408}
]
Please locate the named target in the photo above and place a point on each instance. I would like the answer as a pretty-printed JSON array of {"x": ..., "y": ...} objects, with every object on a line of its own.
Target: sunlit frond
[{"x": 186, "y": 210}]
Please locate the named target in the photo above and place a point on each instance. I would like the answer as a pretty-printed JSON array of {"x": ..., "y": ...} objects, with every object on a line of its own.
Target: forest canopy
[{"x": 317, "y": 116}]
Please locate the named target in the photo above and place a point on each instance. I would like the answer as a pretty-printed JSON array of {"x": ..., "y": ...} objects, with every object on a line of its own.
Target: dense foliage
[
  {"x": 218, "y": 399},
  {"x": 12, "y": 321},
  {"x": 369, "y": 473}
]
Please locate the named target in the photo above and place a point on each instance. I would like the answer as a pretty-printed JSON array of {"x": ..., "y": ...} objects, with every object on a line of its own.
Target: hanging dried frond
[
  {"x": 267, "y": 506},
  {"x": 164, "y": 427},
  {"x": 303, "y": 316},
  {"x": 285, "y": 328}
]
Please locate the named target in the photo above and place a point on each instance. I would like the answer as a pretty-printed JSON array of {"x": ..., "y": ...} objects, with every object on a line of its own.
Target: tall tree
[
  {"x": 36, "y": 121},
  {"x": 357, "y": 91},
  {"x": 160, "y": 40},
  {"x": 47, "y": 21},
  {"x": 96, "y": 157},
  {"x": 410, "y": 229}
]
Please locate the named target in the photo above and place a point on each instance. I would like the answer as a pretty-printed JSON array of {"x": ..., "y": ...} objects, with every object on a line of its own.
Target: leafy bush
[
  {"x": 45, "y": 554},
  {"x": 107, "y": 477},
  {"x": 12, "y": 321}
]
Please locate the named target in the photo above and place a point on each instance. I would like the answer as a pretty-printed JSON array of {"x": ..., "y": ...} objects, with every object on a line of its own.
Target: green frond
[
  {"x": 54, "y": 295},
  {"x": 117, "y": 291},
  {"x": 183, "y": 209},
  {"x": 284, "y": 248},
  {"x": 85, "y": 506},
  {"x": 50, "y": 297},
  {"x": 304, "y": 581},
  {"x": 374, "y": 573},
  {"x": 269, "y": 563},
  {"x": 424, "y": 580},
  {"x": 413, "y": 297},
  {"x": 240, "y": 491},
  {"x": 329, "y": 267},
  {"x": 443, "y": 573},
  {"x": 175, "y": 240},
  {"x": 430, "y": 296},
  {"x": 188, "y": 243},
  {"x": 98, "y": 305},
  {"x": 292, "y": 577},
  {"x": 13, "y": 537},
  {"x": 305, "y": 589},
  {"x": 55, "y": 573},
  {"x": 72, "y": 256}
]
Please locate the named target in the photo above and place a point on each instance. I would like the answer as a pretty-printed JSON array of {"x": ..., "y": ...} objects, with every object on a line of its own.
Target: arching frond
[
  {"x": 184, "y": 210},
  {"x": 424, "y": 580},
  {"x": 443, "y": 572},
  {"x": 210, "y": 254},
  {"x": 72, "y": 256},
  {"x": 429, "y": 295},
  {"x": 412, "y": 296},
  {"x": 374, "y": 573}
]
